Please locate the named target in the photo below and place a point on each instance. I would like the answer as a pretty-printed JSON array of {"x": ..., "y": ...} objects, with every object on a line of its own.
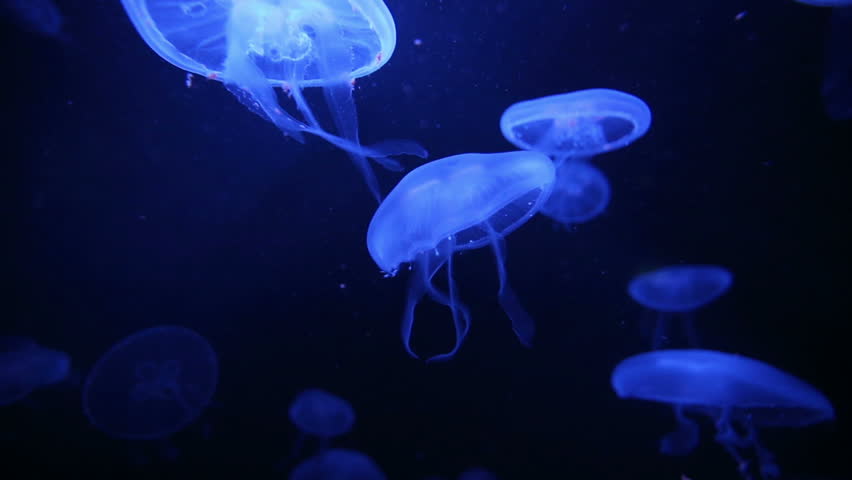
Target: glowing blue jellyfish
[
  {"x": 826, "y": 3},
  {"x": 576, "y": 124},
  {"x": 255, "y": 45},
  {"x": 26, "y": 366},
  {"x": 739, "y": 394},
  {"x": 837, "y": 65},
  {"x": 338, "y": 464},
  {"x": 151, "y": 384},
  {"x": 36, "y": 16},
  {"x": 460, "y": 202},
  {"x": 477, "y": 474},
  {"x": 679, "y": 289},
  {"x": 581, "y": 193}
]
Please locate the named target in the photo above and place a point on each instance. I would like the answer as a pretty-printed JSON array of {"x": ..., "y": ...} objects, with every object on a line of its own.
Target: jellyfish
[
  {"x": 37, "y": 16},
  {"x": 738, "y": 393},
  {"x": 581, "y": 193},
  {"x": 338, "y": 464},
  {"x": 320, "y": 414},
  {"x": 477, "y": 473},
  {"x": 253, "y": 46},
  {"x": 151, "y": 384},
  {"x": 837, "y": 76},
  {"x": 26, "y": 366},
  {"x": 576, "y": 124},
  {"x": 826, "y": 3},
  {"x": 457, "y": 203},
  {"x": 679, "y": 289}
]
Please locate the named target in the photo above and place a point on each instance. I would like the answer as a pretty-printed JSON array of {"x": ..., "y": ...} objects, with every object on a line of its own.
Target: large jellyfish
[
  {"x": 460, "y": 202},
  {"x": 151, "y": 384},
  {"x": 26, "y": 366},
  {"x": 678, "y": 289},
  {"x": 338, "y": 464},
  {"x": 739, "y": 394},
  {"x": 576, "y": 124},
  {"x": 255, "y": 45}
]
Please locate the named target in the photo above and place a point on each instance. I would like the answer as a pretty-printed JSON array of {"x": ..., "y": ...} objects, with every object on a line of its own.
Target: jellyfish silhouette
[
  {"x": 678, "y": 289},
  {"x": 338, "y": 464},
  {"x": 576, "y": 124},
  {"x": 320, "y": 414},
  {"x": 477, "y": 474},
  {"x": 37, "y": 16},
  {"x": 738, "y": 393},
  {"x": 26, "y": 366},
  {"x": 456, "y": 203},
  {"x": 255, "y": 45},
  {"x": 151, "y": 384},
  {"x": 581, "y": 192}
]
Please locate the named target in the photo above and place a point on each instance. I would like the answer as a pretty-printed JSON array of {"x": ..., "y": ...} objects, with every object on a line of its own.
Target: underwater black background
[{"x": 132, "y": 201}]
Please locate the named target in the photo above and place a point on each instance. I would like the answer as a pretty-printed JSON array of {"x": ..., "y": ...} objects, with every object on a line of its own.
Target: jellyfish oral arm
[{"x": 522, "y": 323}]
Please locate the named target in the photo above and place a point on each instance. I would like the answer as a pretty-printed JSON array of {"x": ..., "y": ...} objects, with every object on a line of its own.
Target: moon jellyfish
[
  {"x": 26, "y": 366},
  {"x": 36, "y": 16},
  {"x": 457, "y": 203},
  {"x": 320, "y": 414},
  {"x": 151, "y": 384},
  {"x": 477, "y": 474},
  {"x": 576, "y": 124},
  {"x": 338, "y": 464},
  {"x": 679, "y": 289},
  {"x": 581, "y": 193},
  {"x": 253, "y": 46},
  {"x": 738, "y": 393},
  {"x": 837, "y": 76}
]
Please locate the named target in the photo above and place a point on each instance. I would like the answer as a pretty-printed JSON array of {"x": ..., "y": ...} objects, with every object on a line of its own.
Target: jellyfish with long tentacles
[
  {"x": 457, "y": 203},
  {"x": 253, "y": 46},
  {"x": 738, "y": 393},
  {"x": 679, "y": 290}
]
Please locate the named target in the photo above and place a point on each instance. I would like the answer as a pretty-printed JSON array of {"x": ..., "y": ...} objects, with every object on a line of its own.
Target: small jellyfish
[
  {"x": 477, "y": 474},
  {"x": 581, "y": 193},
  {"x": 338, "y": 464},
  {"x": 679, "y": 289},
  {"x": 738, "y": 393},
  {"x": 26, "y": 366},
  {"x": 320, "y": 414},
  {"x": 151, "y": 384},
  {"x": 457, "y": 203},
  {"x": 576, "y": 124}
]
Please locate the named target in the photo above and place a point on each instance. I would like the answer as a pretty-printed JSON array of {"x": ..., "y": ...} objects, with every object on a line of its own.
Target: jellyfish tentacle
[
  {"x": 683, "y": 439},
  {"x": 522, "y": 323}
]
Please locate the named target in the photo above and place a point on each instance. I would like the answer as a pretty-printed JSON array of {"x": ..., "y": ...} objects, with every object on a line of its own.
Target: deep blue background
[{"x": 134, "y": 201}]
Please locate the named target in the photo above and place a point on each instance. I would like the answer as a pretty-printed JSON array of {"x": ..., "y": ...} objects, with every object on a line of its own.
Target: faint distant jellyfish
[
  {"x": 576, "y": 124},
  {"x": 456, "y": 203},
  {"x": 679, "y": 289},
  {"x": 26, "y": 366},
  {"x": 338, "y": 464},
  {"x": 581, "y": 193},
  {"x": 738, "y": 393},
  {"x": 320, "y": 414},
  {"x": 255, "y": 45},
  {"x": 36, "y": 16},
  {"x": 151, "y": 384},
  {"x": 477, "y": 474},
  {"x": 826, "y": 3},
  {"x": 837, "y": 66}
]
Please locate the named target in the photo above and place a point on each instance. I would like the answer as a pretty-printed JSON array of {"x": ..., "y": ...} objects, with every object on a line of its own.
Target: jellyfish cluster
[{"x": 159, "y": 381}]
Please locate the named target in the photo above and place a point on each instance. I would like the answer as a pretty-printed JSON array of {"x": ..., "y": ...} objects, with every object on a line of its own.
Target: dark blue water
[{"x": 132, "y": 201}]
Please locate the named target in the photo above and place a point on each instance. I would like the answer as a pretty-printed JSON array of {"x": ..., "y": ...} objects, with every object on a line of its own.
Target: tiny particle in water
[
  {"x": 342, "y": 286},
  {"x": 188, "y": 80},
  {"x": 740, "y": 16},
  {"x": 418, "y": 42}
]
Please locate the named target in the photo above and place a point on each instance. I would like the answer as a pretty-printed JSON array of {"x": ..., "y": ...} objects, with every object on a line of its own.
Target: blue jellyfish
[
  {"x": 581, "y": 193},
  {"x": 576, "y": 124},
  {"x": 826, "y": 3},
  {"x": 36, "y": 16},
  {"x": 26, "y": 366},
  {"x": 151, "y": 384},
  {"x": 679, "y": 289},
  {"x": 477, "y": 474},
  {"x": 837, "y": 76},
  {"x": 254, "y": 46},
  {"x": 320, "y": 414},
  {"x": 460, "y": 202},
  {"x": 338, "y": 464},
  {"x": 739, "y": 394}
]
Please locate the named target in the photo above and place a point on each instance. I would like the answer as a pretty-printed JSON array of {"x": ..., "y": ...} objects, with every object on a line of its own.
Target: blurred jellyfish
[
  {"x": 36, "y": 16},
  {"x": 320, "y": 414},
  {"x": 739, "y": 394},
  {"x": 825, "y": 3},
  {"x": 678, "y": 289},
  {"x": 456, "y": 203},
  {"x": 151, "y": 384},
  {"x": 837, "y": 76},
  {"x": 26, "y": 366},
  {"x": 576, "y": 124},
  {"x": 255, "y": 45},
  {"x": 581, "y": 192},
  {"x": 477, "y": 474},
  {"x": 338, "y": 464}
]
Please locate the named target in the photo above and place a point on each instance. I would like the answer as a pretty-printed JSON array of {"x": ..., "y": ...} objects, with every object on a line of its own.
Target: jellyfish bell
[
  {"x": 581, "y": 193},
  {"x": 477, "y": 473},
  {"x": 456, "y": 203},
  {"x": 740, "y": 394},
  {"x": 151, "y": 384},
  {"x": 338, "y": 464},
  {"x": 576, "y": 124},
  {"x": 321, "y": 414},
  {"x": 253, "y": 46}
]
